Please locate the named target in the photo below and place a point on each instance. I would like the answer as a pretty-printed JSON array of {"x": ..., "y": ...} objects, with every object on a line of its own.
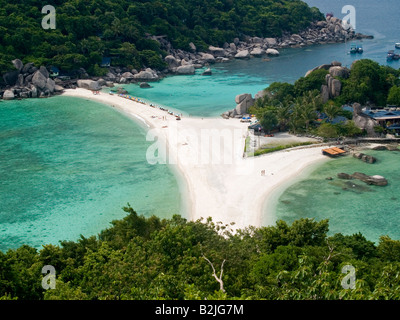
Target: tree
[
  {"x": 331, "y": 110},
  {"x": 312, "y": 82},
  {"x": 394, "y": 96},
  {"x": 327, "y": 130},
  {"x": 268, "y": 118}
]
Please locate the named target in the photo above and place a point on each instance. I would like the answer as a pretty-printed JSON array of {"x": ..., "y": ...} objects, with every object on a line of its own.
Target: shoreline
[{"x": 233, "y": 191}]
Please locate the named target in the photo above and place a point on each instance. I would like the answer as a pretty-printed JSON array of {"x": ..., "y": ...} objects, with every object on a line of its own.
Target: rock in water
[
  {"x": 344, "y": 176},
  {"x": 257, "y": 52},
  {"x": 207, "y": 72},
  {"x": 244, "y": 54},
  {"x": 207, "y": 57},
  {"x": 147, "y": 75},
  {"x": 364, "y": 157},
  {"x": 144, "y": 85},
  {"x": 371, "y": 180},
  {"x": 186, "y": 69},
  {"x": 272, "y": 52},
  {"x": 8, "y": 95}
]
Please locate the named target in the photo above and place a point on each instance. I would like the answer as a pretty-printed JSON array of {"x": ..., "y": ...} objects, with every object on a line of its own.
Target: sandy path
[{"x": 221, "y": 183}]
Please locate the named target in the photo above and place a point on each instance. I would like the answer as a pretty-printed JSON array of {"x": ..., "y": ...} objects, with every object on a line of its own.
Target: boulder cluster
[
  {"x": 28, "y": 81},
  {"x": 364, "y": 157},
  {"x": 243, "y": 103},
  {"x": 331, "y": 30},
  {"x": 333, "y": 86},
  {"x": 375, "y": 180},
  {"x": 363, "y": 121}
]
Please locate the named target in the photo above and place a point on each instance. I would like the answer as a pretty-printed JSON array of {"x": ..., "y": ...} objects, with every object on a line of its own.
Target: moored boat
[
  {"x": 397, "y": 45},
  {"x": 356, "y": 49},
  {"x": 390, "y": 55}
]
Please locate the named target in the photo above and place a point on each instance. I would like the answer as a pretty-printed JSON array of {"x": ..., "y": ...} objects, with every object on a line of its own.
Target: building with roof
[{"x": 385, "y": 118}]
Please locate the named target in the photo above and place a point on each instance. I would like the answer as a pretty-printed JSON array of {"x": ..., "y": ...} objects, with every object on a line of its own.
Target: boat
[
  {"x": 397, "y": 45},
  {"x": 390, "y": 55},
  {"x": 353, "y": 49},
  {"x": 356, "y": 49}
]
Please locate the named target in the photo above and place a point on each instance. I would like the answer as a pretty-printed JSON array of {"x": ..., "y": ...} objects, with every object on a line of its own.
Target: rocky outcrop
[
  {"x": 370, "y": 180},
  {"x": 363, "y": 121},
  {"x": 144, "y": 85},
  {"x": 389, "y": 147},
  {"x": 28, "y": 81},
  {"x": 146, "y": 75},
  {"x": 344, "y": 176},
  {"x": 243, "y": 54},
  {"x": 186, "y": 69},
  {"x": 39, "y": 80},
  {"x": 375, "y": 180},
  {"x": 207, "y": 72},
  {"x": 339, "y": 71},
  {"x": 89, "y": 84},
  {"x": 17, "y": 64},
  {"x": 364, "y": 157},
  {"x": 334, "y": 86},
  {"x": 216, "y": 51},
  {"x": 8, "y": 95},
  {"x": 272, "y": 52},
  {"x": 243, "y": 103},
  {"x": 257, "y": 52}
]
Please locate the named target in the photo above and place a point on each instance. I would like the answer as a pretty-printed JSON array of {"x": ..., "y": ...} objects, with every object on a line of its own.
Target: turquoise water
[
  {"x": 351, "y": 206},
  {"x": 67, "y": 168}
]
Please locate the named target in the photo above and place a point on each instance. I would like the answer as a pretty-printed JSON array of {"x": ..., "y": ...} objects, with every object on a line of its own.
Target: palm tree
[
  {"x": 331, "y": 110},
  {"x": 296, "y": 120},
  {"x": 283, "y": 114}
]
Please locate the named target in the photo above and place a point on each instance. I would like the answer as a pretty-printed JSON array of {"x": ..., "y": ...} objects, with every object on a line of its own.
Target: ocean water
[
  {"x": 350, "y": 205},
  {"x": 68, "y": 166}
]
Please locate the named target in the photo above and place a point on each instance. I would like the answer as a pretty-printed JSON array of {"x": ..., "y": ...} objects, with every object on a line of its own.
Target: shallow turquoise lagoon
[
  {"x": 350, "y": 205},
  {"x": 68, "y": 166}
]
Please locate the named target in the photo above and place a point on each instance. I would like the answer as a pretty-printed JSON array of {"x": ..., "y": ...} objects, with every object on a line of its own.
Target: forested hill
[{"x": 87, "y": 30}]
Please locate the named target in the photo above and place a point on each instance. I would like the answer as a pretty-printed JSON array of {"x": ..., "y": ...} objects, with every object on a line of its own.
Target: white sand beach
[{"x": 221, "y": 183}]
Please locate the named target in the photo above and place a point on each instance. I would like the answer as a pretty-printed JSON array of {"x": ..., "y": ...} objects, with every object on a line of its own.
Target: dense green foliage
[
  {"x": 149, "y": 258},
  {"x": 369, "y": 82},
  {"x": 87, "y": 30},
  {"x": 297, "y": 106}
]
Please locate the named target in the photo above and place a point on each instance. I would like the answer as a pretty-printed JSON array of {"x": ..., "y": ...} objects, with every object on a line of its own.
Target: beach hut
[
  {"x": 54, "y": 71},
  {"x": 105, "y": 62}
]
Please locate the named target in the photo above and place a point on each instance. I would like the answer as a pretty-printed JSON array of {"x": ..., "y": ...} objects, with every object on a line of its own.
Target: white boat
[{"x": 397, "y": 45}]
